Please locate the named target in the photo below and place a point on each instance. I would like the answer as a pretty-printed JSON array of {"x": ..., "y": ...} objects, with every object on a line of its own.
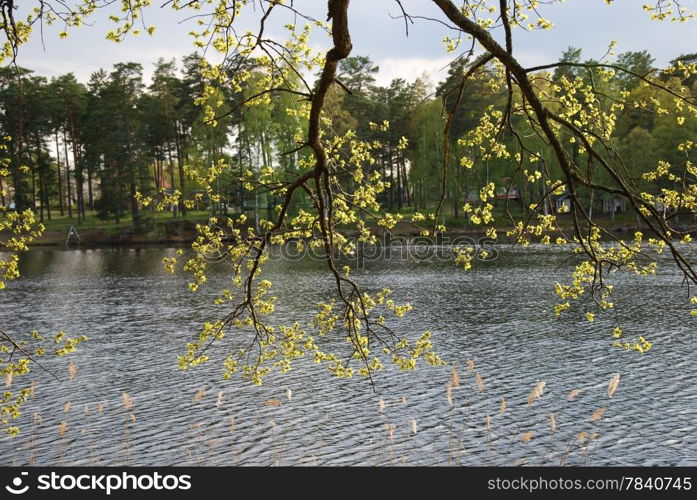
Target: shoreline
[{"x": 101, "y": 238}]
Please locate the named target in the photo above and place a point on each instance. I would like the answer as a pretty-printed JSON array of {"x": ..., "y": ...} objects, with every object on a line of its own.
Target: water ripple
[{"x": 138, "y": 319}]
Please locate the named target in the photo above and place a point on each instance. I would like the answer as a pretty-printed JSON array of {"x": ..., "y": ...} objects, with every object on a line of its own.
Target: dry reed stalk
[
  {"x": 273, "y": 402},
  {"x": 526, "y": 437},
  {"x": 454, "y": 377},
  {"x": 32, "y": 388},
  {"x": 233, "y": 425},
  {"x": 572, "y": 394},
  {"x": 470, "y": 365},
  {"x": 390, "y": 432},
  {"x": 414, "y": 427},
  {"x": 8, "y": 379},
  {"x": 86, "y": 409},
  {"x": 381, "y": 406},
  {"x": 552, "y": 422},
  {"x": 72, "y": 370},
  {"x": 480, "y": 382},
  {"x": 219, "y": 400},
  {"x": 502, "y": 407},
  {"x": 536, "y": 392},
  {"x": 488, "y": 422},
  {"x": 449, "y": 394},
  {"x": 598, "y": 414},
  {"x": 62, "y": 428},
  {"x": 67, "y": 406},
  {"x": 127, "y": 404},
  {"x": 613, "y": 385},
  {"x": 289, "y": 395},
  {"x": 100, "y": 407},
  {"x": 35, "y": 420},
  {"x": 127, "y": 401},
  {"x": 582, "y": 437},
  {"x": 198, "y": 396}
]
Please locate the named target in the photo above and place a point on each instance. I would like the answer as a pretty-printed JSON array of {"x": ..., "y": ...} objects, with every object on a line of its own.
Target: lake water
[{"x": 138, "y": 319}]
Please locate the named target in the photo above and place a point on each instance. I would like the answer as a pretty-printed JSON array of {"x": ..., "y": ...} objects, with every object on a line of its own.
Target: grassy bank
[
  {"x": 164, "y": 228},
  {"x": 158, "y": 227}
]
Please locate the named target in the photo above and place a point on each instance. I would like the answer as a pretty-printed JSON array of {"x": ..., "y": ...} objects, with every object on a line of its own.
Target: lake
[{"x": 138, "y": 319}]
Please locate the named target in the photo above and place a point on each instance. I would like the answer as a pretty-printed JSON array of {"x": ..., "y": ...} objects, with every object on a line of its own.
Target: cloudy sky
[{"x": 588, "y": 24}]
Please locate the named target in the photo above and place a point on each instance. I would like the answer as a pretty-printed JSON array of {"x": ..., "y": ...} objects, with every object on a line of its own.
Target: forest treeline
[{"x": 81, "y": 146}]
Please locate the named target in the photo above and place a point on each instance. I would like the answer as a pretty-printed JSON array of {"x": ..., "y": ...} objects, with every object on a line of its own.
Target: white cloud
[
  {"x": 58, "y": 63},
  {"x": 410, "y": 68}
]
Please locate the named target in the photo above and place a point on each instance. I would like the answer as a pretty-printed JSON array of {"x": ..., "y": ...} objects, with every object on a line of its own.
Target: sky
[{"x": 378, "y": 33}]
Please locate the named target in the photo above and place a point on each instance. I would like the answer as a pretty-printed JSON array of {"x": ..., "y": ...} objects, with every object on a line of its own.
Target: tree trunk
[
  {"x": 41, "y": 195},
  {"x": 89, "y": 189},
  {"x": 156, "y": 172},
  {"x": 399, "y": 185},
  {"x": 38, "y": 169},
  {"x": 266, "y": 153},
  {"x": 17, "y": 178},
  {"x": 384, "y": 176},
  {"x": 403, "y": 166},
  {"x": 78, "y": 172},
  {"x": 67, "y": 175},
  {"x": 180, "y": 165},
  {"x": 33, "y": 187},
  {"x": 131, "y": 169},
  {"x": 170, "y": 167},
  {"x": 48, "y": 204},
  {"x": 60, "y": 176}
]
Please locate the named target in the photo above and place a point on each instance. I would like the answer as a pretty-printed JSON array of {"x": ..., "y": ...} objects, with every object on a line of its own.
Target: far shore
[{"x": 181, "y": 232}]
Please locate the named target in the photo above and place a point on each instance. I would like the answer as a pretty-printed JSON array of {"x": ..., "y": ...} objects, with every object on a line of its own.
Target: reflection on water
[{"x": 138, "y": 319}]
